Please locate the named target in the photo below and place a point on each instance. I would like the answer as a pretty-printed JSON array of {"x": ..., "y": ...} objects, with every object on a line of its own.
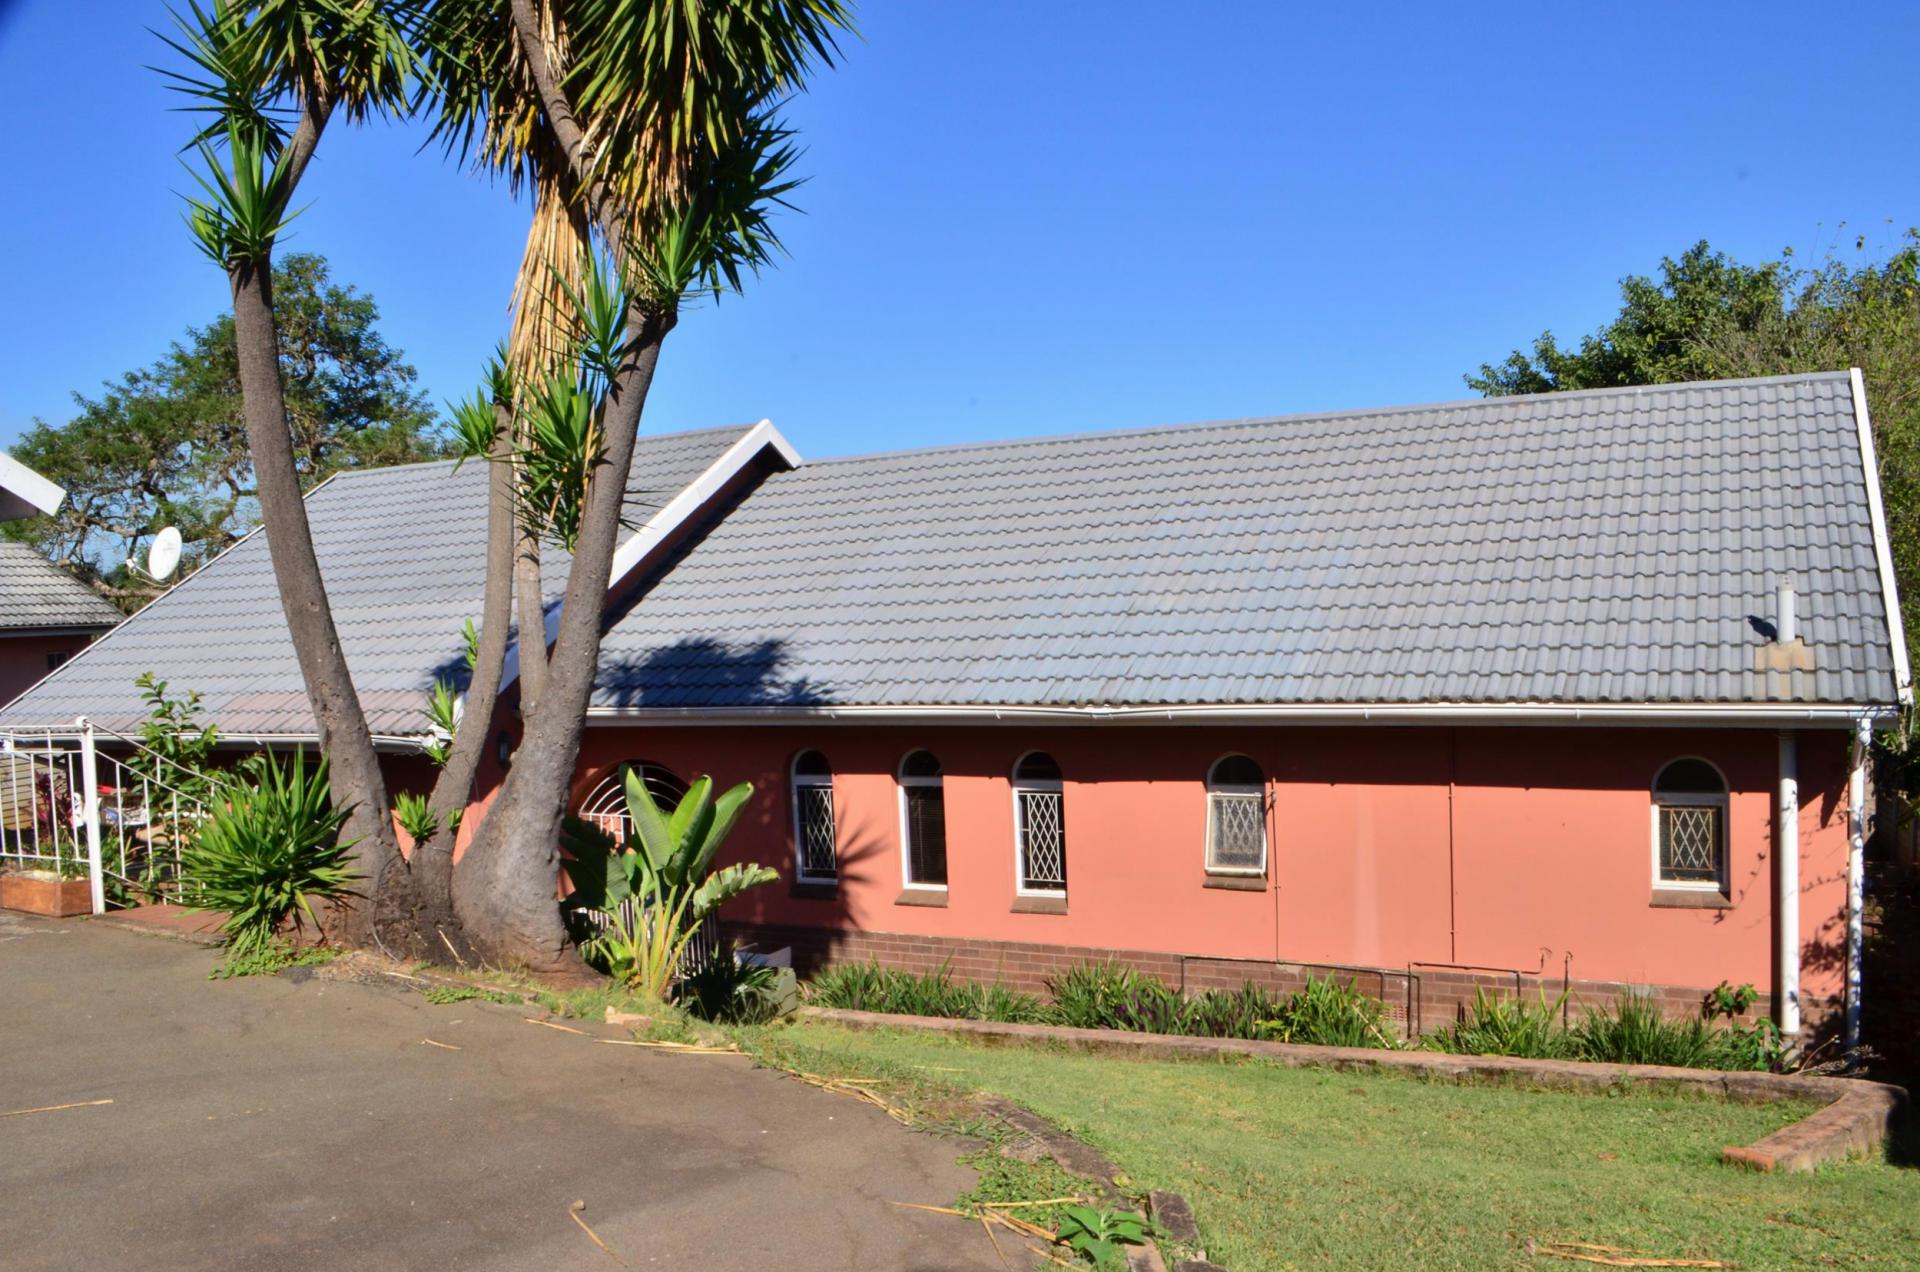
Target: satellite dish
[{"x": 163, "y": 556}]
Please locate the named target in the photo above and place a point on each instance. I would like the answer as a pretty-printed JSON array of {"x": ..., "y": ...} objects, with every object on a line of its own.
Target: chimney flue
[{"x": 1786, "y": 625}]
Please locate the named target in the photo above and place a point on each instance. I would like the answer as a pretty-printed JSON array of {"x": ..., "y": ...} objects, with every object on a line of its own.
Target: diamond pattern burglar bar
[
  {"x": 1043, "y": 838},
  {"x": 816, "y": 832},
  {"x": 1689, "y": 844},
  {"x": 1239, "y": 840}
]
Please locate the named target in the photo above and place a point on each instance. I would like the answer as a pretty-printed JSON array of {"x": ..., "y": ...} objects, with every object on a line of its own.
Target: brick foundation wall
[{"x": 1423, "y": 996}]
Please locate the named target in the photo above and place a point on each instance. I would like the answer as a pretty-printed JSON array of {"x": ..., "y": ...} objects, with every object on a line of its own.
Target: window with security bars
[
  {"x": 1236, "y": 817},
  {"x": 1690, "y": 811},
  {"x": 815, "y": 858},
  {"x": 923, "y": 814},
  {"x": 1040, "y": 807}
]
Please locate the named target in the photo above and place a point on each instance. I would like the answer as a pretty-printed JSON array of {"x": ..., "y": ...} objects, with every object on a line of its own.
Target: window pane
[
  {"x": 813, "y": 805},
  {"x": 1235, "y": 770},
  {"x": 811, "y": 764},
  {"x": 1043, "y": 842},
  {"x": 920, "y": 764},
  {"x": 1689, "y": 777},
  {"x": 926, "y": 835},
  {"x": 1037, "y": 767},
  {"x": 1238, "y": 832},
  {"x": 1689, "y": 844}
]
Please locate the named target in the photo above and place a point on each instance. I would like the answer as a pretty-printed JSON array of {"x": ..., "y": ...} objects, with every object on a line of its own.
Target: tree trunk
[
  {"x": 505, "y": 888},
  {"x": 433, "y": 860},
  {"x": 530, "y": 596},
  {"x": 342, "y": 726}
]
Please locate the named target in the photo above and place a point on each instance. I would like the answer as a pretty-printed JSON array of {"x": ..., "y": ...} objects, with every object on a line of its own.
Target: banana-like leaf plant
[{"x": 645, "y": 899}]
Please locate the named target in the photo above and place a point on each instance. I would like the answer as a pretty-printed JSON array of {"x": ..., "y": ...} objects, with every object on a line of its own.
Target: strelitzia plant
[{"x": 646, "y": 898}]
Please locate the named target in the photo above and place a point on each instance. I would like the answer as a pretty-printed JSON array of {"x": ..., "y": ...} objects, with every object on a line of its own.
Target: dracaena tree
[
  {"x": 650, "y": 133},
  {"x": 269, "y": 78}
]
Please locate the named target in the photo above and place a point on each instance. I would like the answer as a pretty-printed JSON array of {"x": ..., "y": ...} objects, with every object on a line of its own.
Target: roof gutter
[{"x": 1755, "y": 715}]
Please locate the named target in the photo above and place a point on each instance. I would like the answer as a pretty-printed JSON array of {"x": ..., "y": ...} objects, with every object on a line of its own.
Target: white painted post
[
  {"x": 90, "y": 780},
  {"x": 1856, "y": 871},
  {"x": 1786, "y": 874}
]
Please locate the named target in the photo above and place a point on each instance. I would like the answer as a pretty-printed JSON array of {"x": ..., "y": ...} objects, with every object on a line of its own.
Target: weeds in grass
[
  {"x": 268, "y": 960},
  {"x": 440, "y": 995},
  {"x": 591, "y": 1002}
]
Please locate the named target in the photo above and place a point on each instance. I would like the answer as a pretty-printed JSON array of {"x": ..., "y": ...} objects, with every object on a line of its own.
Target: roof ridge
[
  {"x": 457, "y": 460},
  {"x": 1301, "y": 417}
]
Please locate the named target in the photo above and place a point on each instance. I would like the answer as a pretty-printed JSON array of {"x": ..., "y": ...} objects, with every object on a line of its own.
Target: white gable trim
[
  {"x": 668, "y": 519},
  {"x": 29, "y": 491},
  {"x": 1882, "y": 548}
]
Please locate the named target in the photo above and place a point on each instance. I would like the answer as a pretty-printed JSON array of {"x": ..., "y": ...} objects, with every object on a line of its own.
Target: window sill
[
  {"x": 1039, "y": 905},
  {"x": 922, "y": 896},
  {"x": 1689, "y": 899},
  {"x": 814, "y": 891},
  {"x": 1236, "y": 883}
]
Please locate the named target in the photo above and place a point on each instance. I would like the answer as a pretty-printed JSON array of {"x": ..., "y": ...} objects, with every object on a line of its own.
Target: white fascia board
[
  {"x": 671, "y": 516},
  {"x": 1882, "y": 548},
  {"x": 1769, "y": 715},
  {"x": 30, "y": 491}
]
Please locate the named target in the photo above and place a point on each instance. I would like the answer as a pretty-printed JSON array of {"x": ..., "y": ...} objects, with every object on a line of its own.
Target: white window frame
[
  {"x": 1035, "y": 786},
  {"x": 795, "y": 781},
  {"x": 1238, "y": 791},
  {"x": 1723, "y": 850},
  {"x": 902, "y": 782}
]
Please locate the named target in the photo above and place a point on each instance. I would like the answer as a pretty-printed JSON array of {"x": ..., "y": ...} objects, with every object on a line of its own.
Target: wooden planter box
[{"x": 44, "y": 892}]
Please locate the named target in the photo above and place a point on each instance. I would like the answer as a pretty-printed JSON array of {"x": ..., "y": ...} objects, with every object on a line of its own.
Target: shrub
[
  {"x": 1634, "y": 1031},
  {"x": 1326, "y": 1013},
  {"x": 728, "y": 991},
  {"x": 870, "y": 987},
  {"x": 1098, "y": 995},
  {"x": 1241, "y": 1013},
  {"x": 1497, "y": 1026},
  {"x": 267, "y": 851}
]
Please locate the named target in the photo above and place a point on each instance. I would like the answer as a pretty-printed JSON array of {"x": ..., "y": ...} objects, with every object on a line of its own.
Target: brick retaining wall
[{"x": 1429, "y": 996}]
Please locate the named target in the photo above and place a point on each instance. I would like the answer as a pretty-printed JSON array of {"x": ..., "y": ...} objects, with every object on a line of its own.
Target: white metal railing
[{"x": 119, "y": 816}]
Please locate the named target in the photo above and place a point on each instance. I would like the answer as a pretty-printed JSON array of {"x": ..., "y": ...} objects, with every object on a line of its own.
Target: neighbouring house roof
[
  {"x": 1607, "y": 547},
  {"x": 36, "y": 594},
  {"x": 1576, "y": 551},
  {"x": 402, "y": 552}
]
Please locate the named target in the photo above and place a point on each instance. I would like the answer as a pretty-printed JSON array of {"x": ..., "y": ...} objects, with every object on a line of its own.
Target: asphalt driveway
[{"x": 267, "y": 1123}]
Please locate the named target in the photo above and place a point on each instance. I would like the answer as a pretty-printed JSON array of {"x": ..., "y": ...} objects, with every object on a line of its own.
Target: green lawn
[{"x": 1292, "y": 1168}]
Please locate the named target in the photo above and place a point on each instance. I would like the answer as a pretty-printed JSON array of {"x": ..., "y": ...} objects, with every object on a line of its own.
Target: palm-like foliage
[
  {"x": 647, "y": 897},
  {"x": 264, "y": 854}
]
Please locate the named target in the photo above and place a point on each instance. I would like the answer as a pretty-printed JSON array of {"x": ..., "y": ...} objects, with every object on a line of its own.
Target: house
[
  {"x": 1534, "y": 692},
  {"x": 46, "y": 615}
]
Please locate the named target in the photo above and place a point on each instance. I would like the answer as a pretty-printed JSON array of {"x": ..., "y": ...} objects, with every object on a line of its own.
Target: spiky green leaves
[
  {"x": 443, "y": 720},
  {"x": 245, "y": 207}
]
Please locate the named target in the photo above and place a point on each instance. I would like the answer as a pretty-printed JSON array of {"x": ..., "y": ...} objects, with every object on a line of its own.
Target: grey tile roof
[
  {"x": 401, "y": 550},
  {"x": 1601, "y": 547},
  {"x": 36, "y": 593}
]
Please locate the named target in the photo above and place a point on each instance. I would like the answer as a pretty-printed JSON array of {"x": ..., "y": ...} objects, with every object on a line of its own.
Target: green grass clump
[
  {"x": 274, "y": 957},
  {"x": 440, "y": 995}
]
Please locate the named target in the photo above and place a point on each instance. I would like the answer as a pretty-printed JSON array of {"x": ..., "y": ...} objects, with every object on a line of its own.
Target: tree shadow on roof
[{"x": 705, "y": 672}]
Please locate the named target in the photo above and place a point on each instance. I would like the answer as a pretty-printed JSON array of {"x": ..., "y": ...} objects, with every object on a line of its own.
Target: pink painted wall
[
  {"x": 1496, "y": 846},
  {"x": 23, "y": 659}
]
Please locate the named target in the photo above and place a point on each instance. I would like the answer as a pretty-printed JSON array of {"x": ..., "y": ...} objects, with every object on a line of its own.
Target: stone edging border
[{"x": 1856, "y": 1116}]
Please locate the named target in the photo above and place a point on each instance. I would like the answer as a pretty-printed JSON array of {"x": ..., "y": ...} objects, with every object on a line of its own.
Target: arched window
[
  {"x": 1236, "y": 817},
  {"x": 923, "y": 822},
  {"x": 1690, "y": 826},
  {"x": 1040, "y": 825},
  {"x": 606, "y": 805},
  {"x": 815, "y": 859}
]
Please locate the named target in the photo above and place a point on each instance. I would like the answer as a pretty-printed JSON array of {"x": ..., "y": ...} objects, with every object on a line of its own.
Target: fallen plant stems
[
  {"x": 444, "y": 1046},
  {"x": 55, "y": 1108},
  {"x": 552, "y": 1025},
  {"x": 1614, "y": 1256},
  {"x": 574, "y": 1212}
]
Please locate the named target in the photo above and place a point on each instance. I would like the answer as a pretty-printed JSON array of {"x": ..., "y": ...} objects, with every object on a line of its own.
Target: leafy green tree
[
  {"x": 1710, "y": 317},
  {"x": 166, "y": 444}
]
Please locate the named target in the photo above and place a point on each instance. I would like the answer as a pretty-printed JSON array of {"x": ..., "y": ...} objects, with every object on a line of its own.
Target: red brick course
[{"x": 1426, "y": 996}]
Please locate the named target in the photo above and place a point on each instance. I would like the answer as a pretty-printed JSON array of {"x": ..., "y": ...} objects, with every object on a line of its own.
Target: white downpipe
[
  {"x": 1856, "y": 872},
  {"x": 1786, "y": 874},
  {"x": 90, "y": 802}
]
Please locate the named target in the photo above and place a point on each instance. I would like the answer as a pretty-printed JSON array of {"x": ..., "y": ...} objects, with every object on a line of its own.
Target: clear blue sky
[{"x": 1043, "y": 217}]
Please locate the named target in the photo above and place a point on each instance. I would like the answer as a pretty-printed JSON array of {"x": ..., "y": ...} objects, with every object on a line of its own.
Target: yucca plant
[
  {"x": 270, "y": 846},
  {"x": 644, "y": 900}
]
